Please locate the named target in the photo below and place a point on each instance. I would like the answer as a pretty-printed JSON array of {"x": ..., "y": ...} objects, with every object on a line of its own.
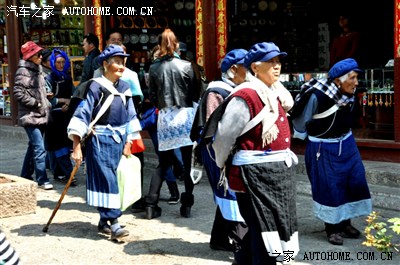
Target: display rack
[
  {"x": 376, "y": 99},
  {"x": 5, "y": 104},
  {"x": 76, "y": 69}
]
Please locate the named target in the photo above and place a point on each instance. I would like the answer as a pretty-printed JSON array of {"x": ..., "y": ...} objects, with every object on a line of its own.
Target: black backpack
[
  {"x": 300, "y": 102},
  {"x": 199, "y": 122},
  {"x": 78, "y": 95}
]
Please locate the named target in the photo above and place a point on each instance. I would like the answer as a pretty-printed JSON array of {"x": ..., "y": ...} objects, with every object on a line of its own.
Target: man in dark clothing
[
  {"x": 90, "y": 46},
  {"x": 113, "y": 36}
]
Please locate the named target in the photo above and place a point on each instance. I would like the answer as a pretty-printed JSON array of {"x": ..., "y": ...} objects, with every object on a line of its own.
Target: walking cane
[{"x": 76, "y": 167}]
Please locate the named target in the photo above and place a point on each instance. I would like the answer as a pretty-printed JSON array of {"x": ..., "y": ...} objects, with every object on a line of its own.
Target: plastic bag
[
  {"x": 129, "y": 181},
  {"x": 196, "y": 170}
]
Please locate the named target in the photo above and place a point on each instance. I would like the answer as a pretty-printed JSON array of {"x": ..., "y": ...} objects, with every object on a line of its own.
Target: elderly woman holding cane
[
  {"x": 254, "y": 131},
  {"x": 108, "y": 139}
]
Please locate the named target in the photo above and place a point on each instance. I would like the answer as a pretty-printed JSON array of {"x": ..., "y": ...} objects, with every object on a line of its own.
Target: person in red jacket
[
  {"x": 347, "y": 44},
  {"x": 33, "y": 111}
]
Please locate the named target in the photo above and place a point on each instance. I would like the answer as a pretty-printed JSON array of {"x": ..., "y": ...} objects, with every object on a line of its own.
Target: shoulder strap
[
  {"x": 326, "y": 113},
  {"x": 219, "y": 84},
  {"x": 107, "y": 102},
  {"x": 253, "y": 122},
  {"x": 102, "y": 110},
  {"x": 110, "y": 88}
]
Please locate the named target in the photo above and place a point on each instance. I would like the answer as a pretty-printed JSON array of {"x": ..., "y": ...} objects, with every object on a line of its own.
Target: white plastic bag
[
  {"x": 129, "y": 180},
  {"x": 196, "y": 171}
]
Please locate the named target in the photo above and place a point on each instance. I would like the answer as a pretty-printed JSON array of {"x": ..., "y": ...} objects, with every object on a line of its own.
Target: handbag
[
  {"x": 137, "y": 145},
  {"x": 149, "y": 118},
  {"x": 129, "y": 181}
]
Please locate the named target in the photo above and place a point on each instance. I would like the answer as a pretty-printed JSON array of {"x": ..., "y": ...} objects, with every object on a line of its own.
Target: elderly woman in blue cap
[
  {"x": 108, "y": 139},
  {"x": 228, "y": 223},
  {"x": 254, "y": 131},
  {"x": 334, "y": 166}
]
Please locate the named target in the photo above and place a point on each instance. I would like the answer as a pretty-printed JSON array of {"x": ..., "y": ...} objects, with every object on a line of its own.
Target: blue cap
[
  {"x": 343, "y": 67},
  {"x": 233, "y": 57},
  {"x": 262, "y": 52},
  {"x": 111, "y": 51}
]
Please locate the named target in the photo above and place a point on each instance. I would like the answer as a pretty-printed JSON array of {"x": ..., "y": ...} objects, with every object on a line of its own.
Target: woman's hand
[
  {"x": 77, "y": 150},
  {"x": 65, "y": 105},
  {"x": 127, "y": 149},
  {"x": 65, "y": 108}
]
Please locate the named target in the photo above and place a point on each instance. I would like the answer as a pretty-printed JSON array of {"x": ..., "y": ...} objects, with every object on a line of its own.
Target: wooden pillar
[
  {"x": 14, "y": 42},
  {"x": 206, "y": 39},
  {"x": 397, "y": 71},
  {"x": 221, "y": 30},
  {"x": 89, "y": 23},
  {"x": 98, "y": 30}
]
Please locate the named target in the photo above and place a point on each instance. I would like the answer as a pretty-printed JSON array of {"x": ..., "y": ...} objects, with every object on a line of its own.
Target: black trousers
[
  {"x": 223, "y": 230},
  {"x": 166, "y": 159}
]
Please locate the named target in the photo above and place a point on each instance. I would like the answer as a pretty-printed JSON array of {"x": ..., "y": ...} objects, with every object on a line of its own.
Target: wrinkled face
[
  {"x": 114, "y": 67},
  {"x": 115, "y": 38},
  {"x": 268, "y": 71},
  {"x": 349, "y": 85},
  {"x": 36, "y": 58},
  {"x": 60, "y": 62}
]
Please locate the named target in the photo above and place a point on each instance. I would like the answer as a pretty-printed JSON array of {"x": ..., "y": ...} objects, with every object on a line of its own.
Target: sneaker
[
  {"x": 120, "y": 233},
  {"x": 173, "y": 199},
  {"x": 46, "y": 186},
  {"x": 63, "y": 179}
]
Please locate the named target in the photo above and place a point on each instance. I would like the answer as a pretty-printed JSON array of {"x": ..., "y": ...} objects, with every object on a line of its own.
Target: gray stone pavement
[{"x": 73, "y": 239}]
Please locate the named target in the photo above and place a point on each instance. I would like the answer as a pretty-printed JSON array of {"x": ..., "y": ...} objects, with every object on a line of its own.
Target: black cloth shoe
[
  {"x": 152, "y": 212},
  {"x": 105, "y": 229},
  {"x": 138, "y": 206},
  {"x": 120, "y": 233},
  {"x": 350, "y": 231},
  {"x": 221, "y": 246},
  {"x": 335, "y": 239}
]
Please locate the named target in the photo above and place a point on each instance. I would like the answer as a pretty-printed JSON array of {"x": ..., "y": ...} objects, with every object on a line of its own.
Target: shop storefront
[
  {"x": 44, "y": 23},
  {"x": 302, "y": 28}
]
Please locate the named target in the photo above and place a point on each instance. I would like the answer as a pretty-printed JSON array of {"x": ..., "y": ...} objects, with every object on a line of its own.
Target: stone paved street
[{"x": 72, "y": 237}]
